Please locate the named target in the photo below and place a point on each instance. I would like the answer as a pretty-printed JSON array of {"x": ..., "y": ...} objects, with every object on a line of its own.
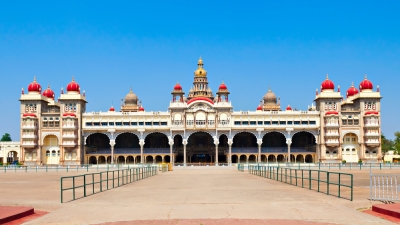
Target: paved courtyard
[{"x": 188, "y": 193}]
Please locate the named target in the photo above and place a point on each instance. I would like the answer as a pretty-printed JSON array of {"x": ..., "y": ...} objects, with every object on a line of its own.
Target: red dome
[
  {"x": 29, "y": 115},
  {"x": 48, "y": 93},
  {"x": 222, "y": 86},
  {"x": 366, "y": 84},
  {"x": 259, "y": 108},
  {"x": 200, "y": 98},
  {"x": 111, "y": 109},
  {"x": 288, "y": 108},
  {"x": 351, "y": 91},
  {"x": 73, "y": 86},
  {"x": 327, "y": 84},
  {"x": 69, "y": 115},
  {"x": 141, "y": 109},
  {"x": 177, "y": 87},
  {"x": 371, "y": 113},
  {"x": 331, "y": 113},
  {"x": 34, "y": 86}
]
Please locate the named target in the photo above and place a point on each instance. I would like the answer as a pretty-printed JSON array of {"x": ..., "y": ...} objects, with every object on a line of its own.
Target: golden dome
[
  {"x": 270, "y": 97},
  {"x": 200, "y": 72},
  {"x": 131, "y": 98}
]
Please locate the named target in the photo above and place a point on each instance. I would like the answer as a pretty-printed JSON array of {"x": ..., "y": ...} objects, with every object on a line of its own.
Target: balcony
[
  {"x": 69, "y": 136},
  {"x": 29, "y": 126},
  {"x": 332, "y": 143},
  {"x": 69, "y": 127},
  {"x": 372, "y": 142},
  {"x": 372, "y": 125},
  {"x": 29, "y": 136},
  {"x": 332, "y": 125},
  {"x": 29, "y": 144},
  {"x": 336, "y": 134},
  {"x": 372, "y": 134},
  {"x": 69, "y": 143}
]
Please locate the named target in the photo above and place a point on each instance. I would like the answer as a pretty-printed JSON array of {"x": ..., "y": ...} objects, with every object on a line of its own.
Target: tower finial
[
  {"x": 34, "y": 78},
  {"x": 365, "y": 76},
  {"x": 73, "y": 79},
  {"x": 130, "y": 91},
  {"x": 48, "y": 86},
  {"x": 352, "y": 83},
  {"x": 327, "y": 77}
]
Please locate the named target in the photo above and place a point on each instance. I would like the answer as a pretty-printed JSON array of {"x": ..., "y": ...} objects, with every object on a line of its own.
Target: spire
[
  {"x": 34, "y": 79},
  {"x": 130, "y": 91},
  {"x": 62, "y": 90},
  {"x": 365, "y": 76},
  {"x": 327, "y": 77},
  {"x": 200, "y": 63},
  {"x": 352, "y": 84},
  {"x": 73, "y": 79},
  {"x": 48, "y": 86}
]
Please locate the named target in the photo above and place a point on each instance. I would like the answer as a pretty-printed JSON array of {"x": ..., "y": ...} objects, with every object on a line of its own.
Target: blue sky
[{"x": 150, "y": 45}]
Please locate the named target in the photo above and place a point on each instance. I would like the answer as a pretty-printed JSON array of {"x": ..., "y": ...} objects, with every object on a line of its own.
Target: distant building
[
  {"x": 200, "y": 128},
  {"x": 9, "y": 151},
  {"x": 391, "y": 157}
]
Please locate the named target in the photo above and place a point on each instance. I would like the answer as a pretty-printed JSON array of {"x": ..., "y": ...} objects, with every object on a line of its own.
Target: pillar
[
  {"x": 230, "y": 142},
  {"x": 216, "y": 142},
  {"x": 112, "y": 151},
  {"x": 259, "y": 143},
  {"x": 171, "y": 145},
  {"x": 184, "y": 142},
  {"x": 141, "y": 143},
  {"x": 288, "y": 142}
]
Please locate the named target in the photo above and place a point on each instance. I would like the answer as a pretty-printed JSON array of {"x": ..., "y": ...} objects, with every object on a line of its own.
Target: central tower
[{"x": 200, "y": 85}]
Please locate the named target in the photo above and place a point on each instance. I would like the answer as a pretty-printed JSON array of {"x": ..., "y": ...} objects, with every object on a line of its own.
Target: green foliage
[
  {"x": 6, "y": 137},
  {"x": 343, "y": 161},
  {"x": 386, "y": 144},
  {"x": 396, "y": 142}
]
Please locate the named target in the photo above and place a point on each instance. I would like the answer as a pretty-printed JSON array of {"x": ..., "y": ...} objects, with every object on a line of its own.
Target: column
[
  {"x": 340, "y": 152},
  {"x": 112, "y": 143},
  {"x": 230, "y": 142},
  {"x": 216, "y": 142},
  {"x": 259, "y": 142},
  {"x": 184, "y": 142},
  {"x": 288, "y": 142},
  {"x": 141, "y": 143},
  {"x": 38, "y": 162},
  {"x": 171, "y": 145}
]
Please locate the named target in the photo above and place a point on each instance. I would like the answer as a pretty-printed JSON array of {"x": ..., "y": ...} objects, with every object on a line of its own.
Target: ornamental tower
[{"x": 200, "y": 84}]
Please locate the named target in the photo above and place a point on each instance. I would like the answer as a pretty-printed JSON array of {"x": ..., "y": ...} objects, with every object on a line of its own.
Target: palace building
[{"x": 200, "y": 127}]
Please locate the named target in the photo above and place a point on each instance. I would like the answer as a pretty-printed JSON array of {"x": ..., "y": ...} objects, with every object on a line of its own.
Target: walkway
[{"x": 208, "y": 193}]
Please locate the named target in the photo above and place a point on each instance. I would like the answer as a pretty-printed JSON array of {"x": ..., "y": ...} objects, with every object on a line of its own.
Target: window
[
  {"x": 289, "y": 122},
  {"x": 104, "y": 123},
  {"x": 356, "y": 122},
  {"x": 141, "y": 123},
  {"x": 126, "y": 123},
  {"x": 313, "y": 122},
  {"x": 57, "y": 124},
  {"x": 111, "y": 123},
  {"x": 296, "y": 122},
  {"x": 245, "y": 122},
  {"x": 253, "y": 122},
  {"x": 282, "y": 122},
  {"x": 260, "y": 122},
  {"x": 118, "y": 123},
  {"x": 274, "y": 122},
  {"x": 163, "y": 123},
  {"x": 156, "y": 123},
  {"x": 350, "y": 122},
  {"x": 96, "y": 124},
  {"x": 88, "y": 124},
  {"x": 304, "y": 122},
  {"x": 344, "y": 122},
  {"x": 148, "y": 123},
  {"x": 134, "y": 123},
  {"x": 237, "y": 123},
  {"x": 45, "y": 124},
  {"x": 267, "y": 122}
]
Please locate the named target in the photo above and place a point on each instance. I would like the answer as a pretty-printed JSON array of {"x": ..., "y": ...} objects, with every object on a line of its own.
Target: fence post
[
  {"x": 46, "y": 169},
  {"x": 61, "y": 190},
  {"x": 73, "y": 188},
  {"x": 309, "y": 179},
  {"x": 339, "y": 186},
  {"x": 327, "y": 183},
  {"x": 84, "y": 185}
]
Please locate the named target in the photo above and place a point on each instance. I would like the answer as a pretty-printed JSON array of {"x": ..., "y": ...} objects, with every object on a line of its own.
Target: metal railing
[
  {"x": 321, "y": 181},
  {"x": 384, "y": 187},
  {"x": 88, "y": 184},
  {"x": 329, "y": 166},
  {"x": 72, "y": 168}
]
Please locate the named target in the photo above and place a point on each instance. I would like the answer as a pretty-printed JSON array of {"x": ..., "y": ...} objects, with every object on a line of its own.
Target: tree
[
  {"x": 386, "y": 144},
  {"x": 6, "y": 137},
  {"x": 396, "y": 142}
]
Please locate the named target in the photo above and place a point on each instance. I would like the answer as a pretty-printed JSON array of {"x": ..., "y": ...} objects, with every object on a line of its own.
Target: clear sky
[{"x": 110, "y": 46}]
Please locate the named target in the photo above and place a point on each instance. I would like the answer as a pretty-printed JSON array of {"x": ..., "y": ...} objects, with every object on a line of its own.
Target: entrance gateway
[{"x": 200, "y": 127}]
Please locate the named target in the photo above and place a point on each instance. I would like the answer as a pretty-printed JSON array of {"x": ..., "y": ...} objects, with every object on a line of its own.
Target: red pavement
[
  {"x": 14, "y": 215},
  {"x": 392, "y": 210},
  {"x": 216, "y": 222}
]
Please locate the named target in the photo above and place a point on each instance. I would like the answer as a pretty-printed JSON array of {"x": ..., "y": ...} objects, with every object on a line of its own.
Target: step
[
  {"x": 10, "y": 213},
  {"x": 387, "y": 209}
]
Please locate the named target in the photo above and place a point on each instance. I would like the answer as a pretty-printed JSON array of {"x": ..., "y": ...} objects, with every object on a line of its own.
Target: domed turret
[
  {"x": 200, "y": 72},
  {"x": 269, "y": 98},
  {"x": 112, "y": 109},
  {"x": 48, "y": 93},
  {"x": 259, "y": 108},
  {"x": 327, "y": 84},
  {"x": 141, "y": 109},
  {"x": 73, "y": 86},
  {"x": 366, "y": 85},
  {"x": 130, "y": 98},
  {"x": 288, "y": 108},
  {"x": 222, "y": 86},
  {"x": 34, "y": 87},
  {"x": 177, "y": 87},
  {"x": 351, "y": 91}
]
